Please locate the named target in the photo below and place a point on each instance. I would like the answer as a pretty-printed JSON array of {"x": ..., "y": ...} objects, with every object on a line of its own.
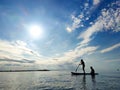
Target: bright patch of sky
[{"x": 58, "y": 33}]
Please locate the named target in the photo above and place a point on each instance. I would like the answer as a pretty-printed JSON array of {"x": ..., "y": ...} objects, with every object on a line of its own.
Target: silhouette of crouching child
[{"x": 92, "y": 71}]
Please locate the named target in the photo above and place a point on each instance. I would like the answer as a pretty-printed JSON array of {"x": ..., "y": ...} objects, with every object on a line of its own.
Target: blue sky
[{"x": 56, "y": 34}]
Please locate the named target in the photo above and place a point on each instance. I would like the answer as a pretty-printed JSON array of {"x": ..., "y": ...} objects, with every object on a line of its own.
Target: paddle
[{"x": 77, "y": 68}]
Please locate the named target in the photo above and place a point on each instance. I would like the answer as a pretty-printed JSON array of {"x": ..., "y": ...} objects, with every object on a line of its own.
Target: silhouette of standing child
[{"x": 83, "y": 65}]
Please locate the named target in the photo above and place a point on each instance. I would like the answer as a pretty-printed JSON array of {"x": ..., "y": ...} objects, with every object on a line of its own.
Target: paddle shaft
[{"x": 77, "y": 68}]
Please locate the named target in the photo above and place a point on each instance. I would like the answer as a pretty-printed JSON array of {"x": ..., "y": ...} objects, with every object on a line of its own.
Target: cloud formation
[
  {"x": 16, "y": 61},
  {"x": 78, "y": 21},
  {"x": 108, "y": 20},
  {"x": 16, "y": 51},
  {"x": 110, "y": 48},
  {"x": 72, "y": 55}
]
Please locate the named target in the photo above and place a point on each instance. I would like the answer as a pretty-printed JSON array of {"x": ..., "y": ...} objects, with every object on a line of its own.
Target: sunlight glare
[{"x": 35, "y": 31}]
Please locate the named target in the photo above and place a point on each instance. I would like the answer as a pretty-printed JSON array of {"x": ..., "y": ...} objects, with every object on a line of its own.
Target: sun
[{"x": 35, "y": 31}]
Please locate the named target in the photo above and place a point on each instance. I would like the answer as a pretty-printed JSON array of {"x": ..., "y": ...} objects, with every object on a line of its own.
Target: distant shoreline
[{"x": 23, "y": 70}]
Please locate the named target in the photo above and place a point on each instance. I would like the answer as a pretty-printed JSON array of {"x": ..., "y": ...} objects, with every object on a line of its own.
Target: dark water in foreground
[{"x": 57, "y": 80}]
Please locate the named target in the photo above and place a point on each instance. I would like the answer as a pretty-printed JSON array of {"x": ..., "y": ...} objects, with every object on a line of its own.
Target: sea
[{"x": 58, "y": 80}]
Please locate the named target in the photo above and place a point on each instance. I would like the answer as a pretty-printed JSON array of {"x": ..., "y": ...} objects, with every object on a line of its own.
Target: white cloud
[
  {"x": 111, "y": 19},
  {"x": 86, "y": 35},
  {"x": 110, "y": 48},
  {"x": 72, "y": 55},
  {"x": 69, "y": 29},
  {"x": 96, "y": 2},
  {"x": 86, "y": 4},
  {"x": 76, "y": 23},
  {"x": 16, "y": 50}
]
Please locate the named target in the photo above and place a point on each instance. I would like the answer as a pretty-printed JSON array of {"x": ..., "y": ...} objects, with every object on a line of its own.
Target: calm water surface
[{"x": 57, "y": 80}]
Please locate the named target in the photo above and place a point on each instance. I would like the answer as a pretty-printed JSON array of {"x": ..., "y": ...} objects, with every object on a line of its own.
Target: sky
[{"x": 57, "y": 34}]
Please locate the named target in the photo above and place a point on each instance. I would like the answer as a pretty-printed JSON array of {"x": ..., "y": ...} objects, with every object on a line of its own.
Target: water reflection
[
  {"x": 84, "y": 82},
  {"x": 79, "y": 82},
  {"x": 93, "y": 79},
  {"x": 54, "y": 80}
]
